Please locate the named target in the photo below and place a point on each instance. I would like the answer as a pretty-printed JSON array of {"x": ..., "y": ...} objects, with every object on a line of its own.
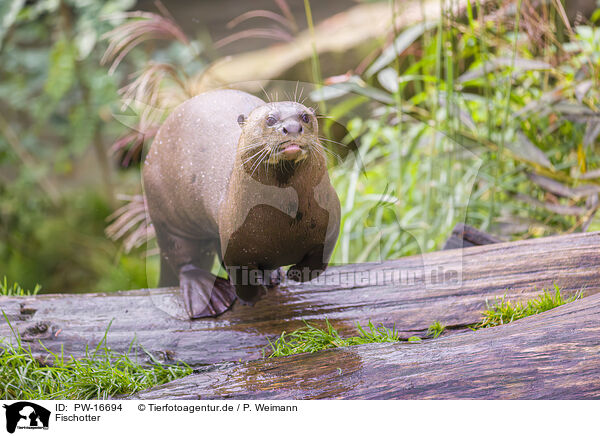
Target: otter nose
[{"x": 291, "y": 127}]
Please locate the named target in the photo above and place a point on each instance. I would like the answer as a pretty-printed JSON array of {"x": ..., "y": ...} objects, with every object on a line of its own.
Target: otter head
[{"x": 279, "y": 134}]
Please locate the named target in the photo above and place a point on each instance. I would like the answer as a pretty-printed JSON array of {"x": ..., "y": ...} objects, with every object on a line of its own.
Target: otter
[{"x": 231, "y": 175}]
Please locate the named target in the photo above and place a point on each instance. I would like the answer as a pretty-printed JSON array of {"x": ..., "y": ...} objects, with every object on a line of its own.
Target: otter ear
[{"x": 241, "y": 120}]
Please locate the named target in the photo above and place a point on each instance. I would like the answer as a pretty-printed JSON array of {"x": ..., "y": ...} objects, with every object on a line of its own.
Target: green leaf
[
  {"x": 388, "y": 78},
  {"x": 497, "y": 63},
  {"x": 9, "y": 10},
  {"x": 404, "y": 40},
  {"x": 61, "y": 73},
  {"x": 353, "y": 86},
  {"x": 85, "y": 40},
  {"x": 524, "y": 148}
]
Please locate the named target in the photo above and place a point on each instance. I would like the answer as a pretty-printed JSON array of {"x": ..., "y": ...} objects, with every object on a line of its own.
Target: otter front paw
[
  {"x": 275, "y": 278},
  {"x": 204, "y": 294},
  {"x": 250, "y": 294},
  {"x": 303, "y": 273}
]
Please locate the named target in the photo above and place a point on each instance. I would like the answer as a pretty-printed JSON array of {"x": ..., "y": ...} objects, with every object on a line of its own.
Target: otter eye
[
  {"x": 271, "y": 120},
  {"x": 305, "y": 118}
]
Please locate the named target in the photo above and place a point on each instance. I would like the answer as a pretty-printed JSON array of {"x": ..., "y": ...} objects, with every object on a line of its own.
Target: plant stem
[{"x": 316, "y": 66}]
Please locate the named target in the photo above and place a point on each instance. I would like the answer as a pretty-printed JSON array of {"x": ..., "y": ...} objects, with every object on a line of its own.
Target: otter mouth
[{"x": 290, "y": 150}]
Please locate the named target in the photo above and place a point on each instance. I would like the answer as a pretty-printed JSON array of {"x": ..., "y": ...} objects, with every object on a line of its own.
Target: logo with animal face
[{"x": 26, "y": 415}]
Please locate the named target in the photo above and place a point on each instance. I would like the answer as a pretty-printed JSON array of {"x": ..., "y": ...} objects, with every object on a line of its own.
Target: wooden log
[
  {"x": 410, "y": 293},
  {"x": 554, "y": 355},
  {"x": 466, "y": 236}
]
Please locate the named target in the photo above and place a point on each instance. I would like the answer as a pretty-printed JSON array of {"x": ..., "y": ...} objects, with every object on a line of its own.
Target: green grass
[
  {"x": 436, "y": 329},
  {"x": 16, "y": 290},
  {"x": 99, "y": 375},
  {"x": 310, "y": 339},
  {"x": 503, "y": 312}
]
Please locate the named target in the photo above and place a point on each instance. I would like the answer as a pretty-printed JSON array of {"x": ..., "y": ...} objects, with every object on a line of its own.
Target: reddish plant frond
[
  {"x": 261, "y": 13},
  {"x": 144, "y": 93},
  {"x": 287, "y": 13},
  {"x": 267, "y": 33},
  {"x": 131, "y": 223},
  {"x": 132, "y": 144},
  {"x": 140, "y": 27}
]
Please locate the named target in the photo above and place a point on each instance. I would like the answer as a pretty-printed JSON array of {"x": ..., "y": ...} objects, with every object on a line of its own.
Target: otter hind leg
[
  {"x": 187, "y": 263},
  {"x": 204, "y": 294},
  {"x": 167, "y": 277}
]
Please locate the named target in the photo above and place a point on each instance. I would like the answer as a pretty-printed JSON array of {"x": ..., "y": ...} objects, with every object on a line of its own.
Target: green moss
[{"x": 503, "y": 312}]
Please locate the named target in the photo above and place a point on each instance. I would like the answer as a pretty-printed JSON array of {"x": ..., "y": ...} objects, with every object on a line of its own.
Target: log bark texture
[
  {"x": 553, "y": 355},
  {"x": 449, "y": 286}
]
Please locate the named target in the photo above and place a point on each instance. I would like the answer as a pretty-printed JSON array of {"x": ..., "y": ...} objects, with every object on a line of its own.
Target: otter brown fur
[{"x": 231, "y": 175}]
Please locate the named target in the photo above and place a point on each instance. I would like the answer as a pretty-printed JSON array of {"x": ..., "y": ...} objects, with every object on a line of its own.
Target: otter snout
[{"x": 291, "y": 127}]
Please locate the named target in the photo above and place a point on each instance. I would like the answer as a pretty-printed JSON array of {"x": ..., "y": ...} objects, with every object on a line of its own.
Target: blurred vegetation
[
  {"x": 57, "y": 176},
  {"x": 488, "y": 116}
]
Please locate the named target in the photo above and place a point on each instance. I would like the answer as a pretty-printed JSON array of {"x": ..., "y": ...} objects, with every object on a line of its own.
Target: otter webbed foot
[
  {"x": 204, "y": 294},
  {"x": 250, "y": 294},
  {"x": 275, "y": 278},
  {"x": 311, "y": 267}
]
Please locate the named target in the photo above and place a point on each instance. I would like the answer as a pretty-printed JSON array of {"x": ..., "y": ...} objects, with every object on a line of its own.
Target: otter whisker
[
  {"x": 255, "y": 155},
  {"x": 335, "y": 142},
  {"x": 259, "y": 161},
  {"x": 267, "y": 158},
  {"x": 251, "y": 146},
  {"x": 326, "y": 151},
  {"x": 256, "y": 164},
  {"x": 244, "y": 162},
  {"x": 312, "y": 152},
  {"x": 265, "y": 92}
]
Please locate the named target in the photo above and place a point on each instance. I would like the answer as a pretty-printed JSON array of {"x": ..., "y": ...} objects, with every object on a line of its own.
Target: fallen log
[
  {"x": 466, "y": 236},
  {"x": 553, "y": 355},
  {"x": 409, "y": 294},
  {"x": 336, "y": 37}
]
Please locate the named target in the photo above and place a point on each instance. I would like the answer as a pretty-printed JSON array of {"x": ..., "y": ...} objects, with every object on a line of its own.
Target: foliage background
[{"x": 489, "y": 116}]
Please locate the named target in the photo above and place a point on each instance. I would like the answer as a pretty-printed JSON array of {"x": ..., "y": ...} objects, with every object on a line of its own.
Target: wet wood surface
[
  {"x": 553, "y": 355},
  {"x": 449, "y": 286}
]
